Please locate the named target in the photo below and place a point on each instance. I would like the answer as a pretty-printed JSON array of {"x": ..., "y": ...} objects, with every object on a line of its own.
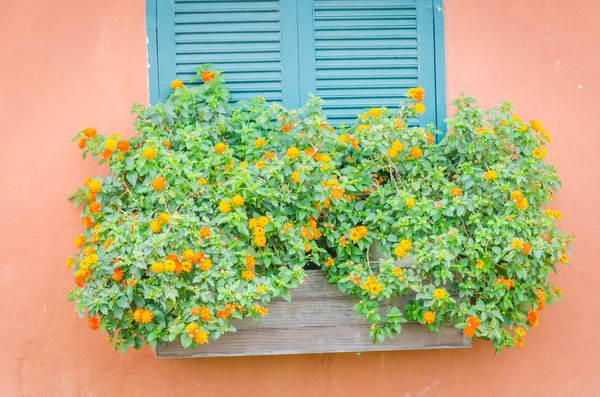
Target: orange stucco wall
[{"x": 69, "y": 64}]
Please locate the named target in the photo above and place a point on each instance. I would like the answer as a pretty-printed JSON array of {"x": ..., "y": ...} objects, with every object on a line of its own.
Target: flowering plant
[{"x": 211, "y": 211}]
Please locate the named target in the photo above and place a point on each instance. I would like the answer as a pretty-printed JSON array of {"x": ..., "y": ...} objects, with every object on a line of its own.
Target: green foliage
[{"x": 211, "y": 211}]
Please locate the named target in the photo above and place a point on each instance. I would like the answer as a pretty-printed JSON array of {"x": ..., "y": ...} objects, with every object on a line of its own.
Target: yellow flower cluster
[
  {"x": 257, "y": 225},
  {"x": 143, "y": 315},
  {"x": 490, "y": 175},
  {"x": 374, "y": 112},
  {"x": 410, "y": 202},
  {"x": 237, "y": 200},
  {"x": 539, "y": 153},
  {"x": 554, "y": 214},
  {"x": 225, "y": 206},
  {"x": 292, "y": 153},
  {"x": 395, "y": 149},
  {"x": 296, "y": 177},
  {"x": 516, "y": 243},
  {"x": 357, "y": 233},
  {"x": 372, "y": 286},
  {"x": 519, "y": 199},
  {"x": 428, "y": 317},
  {"x": 220, "y": 147},
  {"x": 439, "y": 293},
  {"x": 263, "y": 311},
  {"x": 402, "y": 249},
  {"x": 149, "y": 153}
]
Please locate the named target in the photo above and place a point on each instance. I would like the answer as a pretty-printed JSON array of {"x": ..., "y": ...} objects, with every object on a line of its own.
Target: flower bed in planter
[
  {"x": 211, "y": 212},
  {"x": 319, "y": 319}
]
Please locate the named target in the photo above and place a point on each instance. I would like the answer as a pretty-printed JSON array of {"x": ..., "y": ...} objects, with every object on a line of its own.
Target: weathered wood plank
[{"x": 320, "y": 319}]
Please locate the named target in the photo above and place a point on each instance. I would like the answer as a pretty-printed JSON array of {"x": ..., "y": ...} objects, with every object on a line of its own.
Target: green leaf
[
  {"x": 186, "y": 341},
  {"x": 132, "y": 177}
]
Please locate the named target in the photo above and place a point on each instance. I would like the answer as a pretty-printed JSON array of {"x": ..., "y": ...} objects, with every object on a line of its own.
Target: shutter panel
[
  {"x": 367, "y": 54},
  {"x": 244, "y": 38}
]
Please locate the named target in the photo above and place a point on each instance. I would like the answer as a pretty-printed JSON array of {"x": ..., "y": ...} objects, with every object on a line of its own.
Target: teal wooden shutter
[
  {"x": 352, "y": 53},
  {"x": 253, "y": 42},
  {"x": 356, "y": 54}
]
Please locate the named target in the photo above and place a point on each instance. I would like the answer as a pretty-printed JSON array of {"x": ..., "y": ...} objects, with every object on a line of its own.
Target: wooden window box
[{"x": 319, "y": 319}]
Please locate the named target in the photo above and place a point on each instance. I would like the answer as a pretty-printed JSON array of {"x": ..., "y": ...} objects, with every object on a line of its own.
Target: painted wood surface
[{"x": 319, "y": 319}]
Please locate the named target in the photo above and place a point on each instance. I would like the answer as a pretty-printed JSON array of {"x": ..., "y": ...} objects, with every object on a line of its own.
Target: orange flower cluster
[
  {"x": 472, "y": 325},
  {"x": 123, "y": 146},
  {"x": 541, "y": 297},
  {"x": 159, "y": 183},
  {"x": 198, "y": 335},
  {"x": 287, "y": 127},
  {"x": 82, "y": 276},
  {"x": 172, "y": 264},
  {"x": 89, "y": 132},
  {"x": 357, "y": 233},
  {"x": 372, "y": 286},
  {"x": 533, "y": 318},
  {"x": 175, "y": 84},
  {"x": 205, "y": 264},
  {"x": 329, "y": 262},
  {"x": 248, "y": 274},
  {"x": 203, "y": 312},
  {"x": 94, "y": 323},
  {"x": 417, "y": 93},
  {"x": 263, "y": 311},
  {"x": 117, "y": 274},
  {"x": 257, "y": 225},
  {"x": 416, "y": 152},
  {"x": 311, "y": 232},
  {"x": 456, "y": 192},
  {"x": 508, "y": 282},
  {"x": 519, "y": 199},
  {"x": 428, "y": 317},
  {"x": 142, "y": 315},
  {"x": 204, "y": 232},
  {"x": 402, "y": 249},
  {"x": 430, "y": 138},
  {"x": 337, "y": 192},
  {"x": 397, "y": 271},
  {"x": 79, "y": 241},
  {"x": 207, "y": 76}
]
